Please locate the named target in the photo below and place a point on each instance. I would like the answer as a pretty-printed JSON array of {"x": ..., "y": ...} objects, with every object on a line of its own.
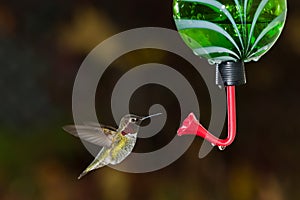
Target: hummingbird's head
[{"x": 130, "y": 123}]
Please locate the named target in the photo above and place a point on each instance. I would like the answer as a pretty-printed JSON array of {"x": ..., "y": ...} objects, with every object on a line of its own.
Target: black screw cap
[{"x": 232, "y": 73}]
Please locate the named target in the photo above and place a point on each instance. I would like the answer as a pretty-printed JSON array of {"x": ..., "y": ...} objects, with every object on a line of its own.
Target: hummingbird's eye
[{"x": 133, "y": 119}]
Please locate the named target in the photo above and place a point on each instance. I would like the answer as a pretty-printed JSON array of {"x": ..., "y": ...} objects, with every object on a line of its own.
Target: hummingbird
[{"x": 116, "y": 144}]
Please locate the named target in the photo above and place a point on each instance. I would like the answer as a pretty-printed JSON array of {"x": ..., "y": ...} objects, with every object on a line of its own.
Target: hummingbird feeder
[{"x": 227, "y": 33}]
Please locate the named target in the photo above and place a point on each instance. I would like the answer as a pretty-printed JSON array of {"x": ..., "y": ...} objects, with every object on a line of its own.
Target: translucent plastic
[{"x": 230, "y": 30}]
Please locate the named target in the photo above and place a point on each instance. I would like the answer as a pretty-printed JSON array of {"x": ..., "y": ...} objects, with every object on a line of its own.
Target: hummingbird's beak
[{"x": 143, "y": 118}]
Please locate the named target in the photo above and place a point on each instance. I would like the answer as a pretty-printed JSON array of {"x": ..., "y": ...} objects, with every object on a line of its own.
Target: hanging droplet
[
  {"x": 256, "y": 59},
  {"x": 221, "y": 147},
  {"x": 211, "y": 62},
  {"x": 212, "y": 144}
]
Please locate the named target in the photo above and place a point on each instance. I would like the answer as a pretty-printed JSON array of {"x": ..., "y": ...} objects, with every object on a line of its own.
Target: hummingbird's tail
[
  {"x": 82, "y": 174},
  {"x": 91, "y": 167},
  {"x": 98, "y": 162}
]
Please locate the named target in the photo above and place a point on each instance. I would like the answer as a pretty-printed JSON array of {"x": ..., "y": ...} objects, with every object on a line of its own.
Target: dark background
[{"x": 42, "y": 44}]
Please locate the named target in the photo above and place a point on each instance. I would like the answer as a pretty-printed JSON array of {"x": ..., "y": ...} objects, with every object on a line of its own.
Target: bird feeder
[{"x": 228, "y": 33}]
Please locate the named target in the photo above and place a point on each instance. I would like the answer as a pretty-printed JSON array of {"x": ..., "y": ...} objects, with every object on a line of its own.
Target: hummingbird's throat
[{"x": 129, "y": 129}]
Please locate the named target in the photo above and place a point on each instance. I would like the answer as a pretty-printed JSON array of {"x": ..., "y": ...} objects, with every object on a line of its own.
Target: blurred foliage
[
  {"x": 42, "y": 44},
  {"x": 20, "y": 80}
]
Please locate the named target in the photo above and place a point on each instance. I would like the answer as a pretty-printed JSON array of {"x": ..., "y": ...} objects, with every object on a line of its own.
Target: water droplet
[
  {"x": 213, "y": 144},
  {"x": 196, "y": 53},
  {"x": 222, "y": 147},
  {"x": 211, "y": 62},
  {"x": 256, "y": 59}
]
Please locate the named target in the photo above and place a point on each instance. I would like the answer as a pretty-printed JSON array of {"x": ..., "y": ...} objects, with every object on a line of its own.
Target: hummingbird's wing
[
  {"x": 95, "y": 124},
  {"x": 101, "y": 136}
]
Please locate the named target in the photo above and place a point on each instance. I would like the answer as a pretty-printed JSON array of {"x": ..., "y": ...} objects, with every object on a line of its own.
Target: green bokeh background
[{"x": 42, "y": 44}]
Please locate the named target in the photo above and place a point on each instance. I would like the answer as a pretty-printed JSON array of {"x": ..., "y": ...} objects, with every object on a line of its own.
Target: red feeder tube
[{"x": 191, "y": 125}]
